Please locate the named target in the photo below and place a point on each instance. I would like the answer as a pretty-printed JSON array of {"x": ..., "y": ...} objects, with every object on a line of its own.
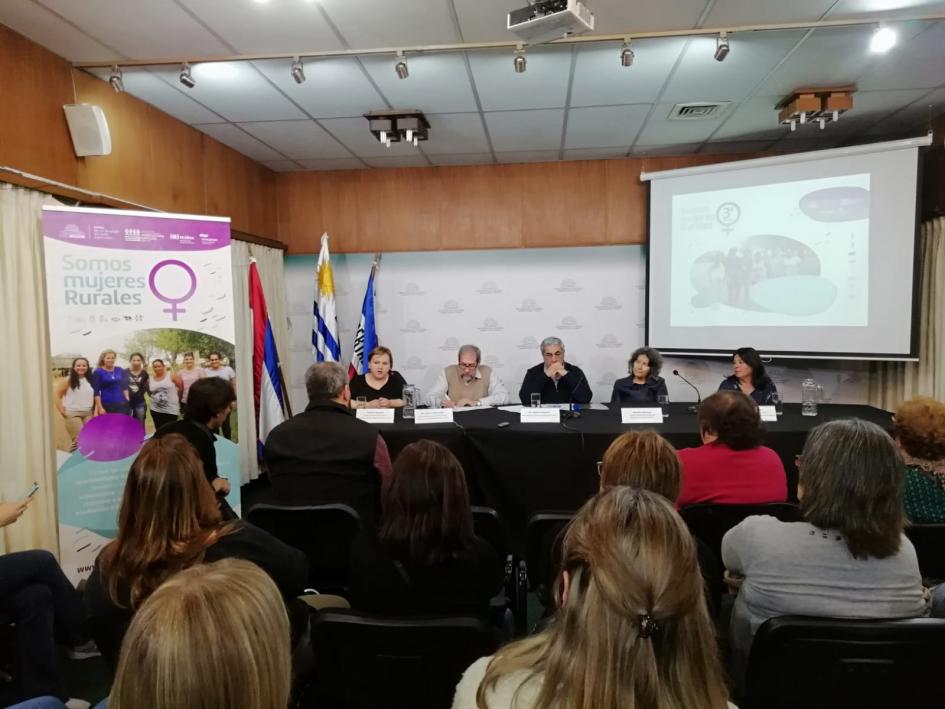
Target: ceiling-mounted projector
[{"x": 546, "y": 20}]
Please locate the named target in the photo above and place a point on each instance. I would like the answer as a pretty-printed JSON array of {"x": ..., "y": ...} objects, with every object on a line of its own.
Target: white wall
[{"x": 506, "y": 301}]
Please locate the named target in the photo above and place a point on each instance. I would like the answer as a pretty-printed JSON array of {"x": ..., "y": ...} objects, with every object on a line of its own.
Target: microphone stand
[{"x": 694, "y": 407}]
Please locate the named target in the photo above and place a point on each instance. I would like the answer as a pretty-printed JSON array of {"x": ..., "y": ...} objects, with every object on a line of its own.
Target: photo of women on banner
[{"x": 137, "y": 302}]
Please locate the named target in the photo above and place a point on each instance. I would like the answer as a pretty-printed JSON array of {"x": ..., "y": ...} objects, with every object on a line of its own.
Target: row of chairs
[{"x": 416, "y": 662}]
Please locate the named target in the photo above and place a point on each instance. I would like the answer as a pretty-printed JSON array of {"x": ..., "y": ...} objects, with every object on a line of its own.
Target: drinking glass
[
  {"x": 778, "y": 403},
  {"x": 362, "y": 402},
  {"x": 663, "y": 401},
  {"x": 536, "y": 400}
]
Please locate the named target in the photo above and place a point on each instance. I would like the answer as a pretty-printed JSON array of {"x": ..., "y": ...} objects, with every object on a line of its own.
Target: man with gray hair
[
  {"x": 554, "y": 380},
  {"x": 325, "y": 454},
  {"x": 468, "y": 383}
]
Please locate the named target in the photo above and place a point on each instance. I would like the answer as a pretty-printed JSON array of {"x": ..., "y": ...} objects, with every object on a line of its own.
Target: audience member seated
[
  {"x": 731, "y": 466},
  {"x": 213, "y": 636},
  {"x": 555, "y": 381},
  {"x": 919, "y": 428},
  {"x": 325, "y": 454},
  {"x": 37, "y": 597},
  {"x": 380, "y": 387},
  {"x": 209, "y": 405},
  {"x": 168, "y": 521},
  {"x": 749, "y": 377},
  {"x": 646, "y": 460},
  {"x": 631, "y": 629},
  {"x": 425, "y": 557},
  {"x": 644, "y": 383},
  {"x": 848, "y": 558}
]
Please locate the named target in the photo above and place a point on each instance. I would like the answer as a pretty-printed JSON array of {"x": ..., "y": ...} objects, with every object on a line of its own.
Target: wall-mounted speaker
[{"x": 88, "y": 128}]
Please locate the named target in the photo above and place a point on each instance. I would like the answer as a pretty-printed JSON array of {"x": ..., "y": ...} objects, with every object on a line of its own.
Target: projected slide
[{"x": 784, "y": 254}]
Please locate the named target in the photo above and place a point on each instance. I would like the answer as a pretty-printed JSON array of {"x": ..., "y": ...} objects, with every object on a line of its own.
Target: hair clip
[{"x": 648, "y": 626}]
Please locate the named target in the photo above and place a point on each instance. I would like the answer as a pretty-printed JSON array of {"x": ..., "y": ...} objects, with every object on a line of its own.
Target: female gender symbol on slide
[{"x": 174, "y": 309}]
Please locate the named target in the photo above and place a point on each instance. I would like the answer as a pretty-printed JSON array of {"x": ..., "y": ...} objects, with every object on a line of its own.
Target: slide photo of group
[{"x": 146, "y": 377}]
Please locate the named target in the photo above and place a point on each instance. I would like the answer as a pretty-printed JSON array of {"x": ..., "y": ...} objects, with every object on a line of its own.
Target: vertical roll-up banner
[{"x": 119, "y": 285}]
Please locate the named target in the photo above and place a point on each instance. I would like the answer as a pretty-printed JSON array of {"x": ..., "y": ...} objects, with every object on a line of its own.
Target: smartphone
[
  {"x": 502, "y": 425},
  {"x": 32, "y": 491}
]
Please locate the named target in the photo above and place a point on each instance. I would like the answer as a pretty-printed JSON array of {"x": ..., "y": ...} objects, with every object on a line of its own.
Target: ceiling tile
[
  {"x": 662, "y": 150},
  {"x": 456, "y": 133},
  {"x": 699, "y": 77},
  {"x": 525, "y": 130},
  {"x": 543, "y": 85},
  {"x": 438, "y": 83},
  {"x": 752, "y": 119},
  {"x": 398, "y": 161},
  {"x": 604, "y": 126},
  {"x": 920, "y": 64},
  {"x": 731, "y": 13},
  {"x": 369, "y": 23},
  {"x": 43, "y": 27},
  {"x": 333, "y": 164},
  {"x": 659, "y": 130},
  {"x": 140, "y": 82},
  {"x": 600, "y": 79},
  {"x": 354, "y": 133},
  {"x": 238, "y": 140},
  {"x": 236, "y": 91},
  {"x": 282, "y": 165},
  {"x": 267, "y": 27},
  {"x": 594, "y": 153},
  {"x": 485, "y": 20},
  {"x": 463, "y": 159},
  {"x": 527, "y": 156},
  {"x": 738, "y": 146},
  {"x": 297, "y": 139},
  {"x": 141, "y": 30},
  {"x": 618, "y": 16},
  {"x": 885, "y": 8},
  {"x": 333, "y": 88}
]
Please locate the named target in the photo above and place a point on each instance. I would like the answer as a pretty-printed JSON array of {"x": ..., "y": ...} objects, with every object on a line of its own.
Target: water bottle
[
  {"x": 812, "y": 394},
  {"x": 411, "y": 396}
]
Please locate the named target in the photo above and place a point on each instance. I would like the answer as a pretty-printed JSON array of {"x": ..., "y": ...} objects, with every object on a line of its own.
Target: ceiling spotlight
[
  {"x": 519, "y": 62},
  {"x": 883, "y": 40},
  {"x": 115, "y": 80},
  {"x": 298, "y": 72},
  {"x": 721, "y": 47},
  {"x": 626, "y": 54},
  {"x": 401, "y": 66},
  {"x": 185, "y": 76}
]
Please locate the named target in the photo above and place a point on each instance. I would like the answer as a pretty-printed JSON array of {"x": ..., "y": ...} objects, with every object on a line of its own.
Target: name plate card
[
  {"x": 768, "y": 413},
  {"x": 641, "y": 414},
  {"x": 433, "y": 416},
  {"x": 540, "y": 415},
  {"x": 375, "y": 415}
]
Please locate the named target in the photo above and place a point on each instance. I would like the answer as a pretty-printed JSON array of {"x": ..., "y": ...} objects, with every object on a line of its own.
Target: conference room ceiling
[{"x": 574, "y": 102}]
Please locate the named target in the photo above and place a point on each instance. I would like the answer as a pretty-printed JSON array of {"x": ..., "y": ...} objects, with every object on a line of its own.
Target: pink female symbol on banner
[{"x": 174, "y": 302}]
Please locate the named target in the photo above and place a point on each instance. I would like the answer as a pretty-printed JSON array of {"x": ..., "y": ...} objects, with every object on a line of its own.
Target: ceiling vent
[{"x": 698, "y": 110}]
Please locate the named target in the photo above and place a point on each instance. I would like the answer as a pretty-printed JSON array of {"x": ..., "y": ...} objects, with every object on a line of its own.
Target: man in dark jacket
[{"x": 554, "y": 380}]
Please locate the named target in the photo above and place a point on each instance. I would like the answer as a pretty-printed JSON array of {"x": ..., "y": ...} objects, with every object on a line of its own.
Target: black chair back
[
  {"x": 929, "y": 543},
  {"x": 487, "y": 526},
  {"x": 323, "y": 532},
  {"x": 824, "y": 663},
  {"x": 543, "y": 537},
  {"x": 709, "y": 522},
  {"x": 366, "y": 661}
]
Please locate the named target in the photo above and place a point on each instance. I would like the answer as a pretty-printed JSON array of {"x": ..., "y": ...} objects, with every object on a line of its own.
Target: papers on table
[
  {"x": 433, "y": 416},
  {"x": 539, "y": 415},
  {"x": 375, "y": 415},
  {"x": 641, "y": 414},
  {"x": 768, "y": 413}
]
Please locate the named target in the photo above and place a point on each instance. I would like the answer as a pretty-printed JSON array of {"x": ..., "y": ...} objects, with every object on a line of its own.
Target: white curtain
[
  {"x": 269, "y": 263},
  {"x": 892, "y": 383},
  {"x": 26, "y": 403}
]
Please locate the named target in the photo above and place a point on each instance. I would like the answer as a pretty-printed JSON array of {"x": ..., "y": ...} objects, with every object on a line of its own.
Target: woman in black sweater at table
[
  {"x": 644, "y": 382},
  {"x": 425, "y": 557},
  {"x": 381, "y": 386}
]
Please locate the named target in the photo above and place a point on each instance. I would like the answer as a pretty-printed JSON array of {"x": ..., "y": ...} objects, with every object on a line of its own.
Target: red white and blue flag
[
  {"x": 267, "y": 382},
  {"x": 365, "y": 339}
]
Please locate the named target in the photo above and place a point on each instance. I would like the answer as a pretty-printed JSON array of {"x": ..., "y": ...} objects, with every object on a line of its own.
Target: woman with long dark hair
[
  {"x": 137, "y": 385},
  {"x": 426, "y": 557},
  {"x": 169, "y": 520},
  {"x": 75, "y": 398},
  {"x": 749, "y": 376}
]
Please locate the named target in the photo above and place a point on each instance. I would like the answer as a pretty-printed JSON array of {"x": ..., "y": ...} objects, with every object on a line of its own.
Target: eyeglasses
[{"x": 464, "y": 365}]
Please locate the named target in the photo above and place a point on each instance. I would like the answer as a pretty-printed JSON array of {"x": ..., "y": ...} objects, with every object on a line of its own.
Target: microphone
[
  {"x": 694, "y": 407},
  {"x": 574, "y": 413}
]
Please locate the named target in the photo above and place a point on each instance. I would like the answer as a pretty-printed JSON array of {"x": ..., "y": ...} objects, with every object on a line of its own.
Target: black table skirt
[{"x": 523, "y": 468}]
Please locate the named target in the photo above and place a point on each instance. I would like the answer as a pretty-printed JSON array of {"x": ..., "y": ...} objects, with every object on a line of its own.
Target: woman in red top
[{"x": 731, "y": 466}]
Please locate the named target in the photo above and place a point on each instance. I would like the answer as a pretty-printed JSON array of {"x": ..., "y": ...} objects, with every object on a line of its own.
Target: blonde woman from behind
[
  {"x": 213, "y": 636},
  {"x": 631, "y": 630}
]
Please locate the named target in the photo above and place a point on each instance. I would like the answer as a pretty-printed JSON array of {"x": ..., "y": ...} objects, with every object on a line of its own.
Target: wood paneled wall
[
  {"x": 156, "y": 160},
  {"x": 581, "y": 203}
]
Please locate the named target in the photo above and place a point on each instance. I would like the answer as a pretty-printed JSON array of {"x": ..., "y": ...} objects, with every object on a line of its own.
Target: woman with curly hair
[{"x": 919, "y": 429}]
